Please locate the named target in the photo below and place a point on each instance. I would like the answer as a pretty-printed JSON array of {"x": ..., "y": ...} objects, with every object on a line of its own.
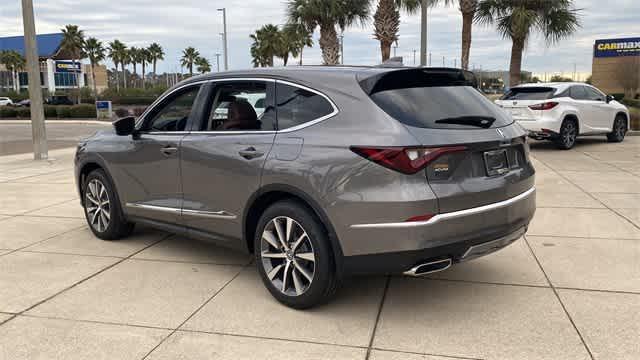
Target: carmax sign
[{"x": 617, "y": 47}]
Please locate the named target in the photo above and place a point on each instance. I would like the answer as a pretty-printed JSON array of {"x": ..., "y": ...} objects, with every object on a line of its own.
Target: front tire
[
  {"x": 619, "y": 130},
  {"x": 568, "y": 133},
  {"x": 293, "y": 255},
  {"x": 102, "y": 208}
]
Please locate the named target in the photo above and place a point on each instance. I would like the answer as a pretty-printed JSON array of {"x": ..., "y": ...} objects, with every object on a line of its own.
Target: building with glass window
[{"x": 58, "y": 72}]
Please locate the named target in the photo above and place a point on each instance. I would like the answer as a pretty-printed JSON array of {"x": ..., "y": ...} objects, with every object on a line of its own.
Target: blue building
[{"x": 57, "y": 70}]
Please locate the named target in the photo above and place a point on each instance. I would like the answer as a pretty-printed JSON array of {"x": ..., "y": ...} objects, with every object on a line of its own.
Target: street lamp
[
  {"x": 218, "y": 61},
  {"x": 224, "y": 38}
]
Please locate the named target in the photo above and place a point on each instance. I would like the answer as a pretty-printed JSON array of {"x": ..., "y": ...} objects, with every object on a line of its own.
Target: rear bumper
[
  {"x": 540, "y": 123},
  {"x": 396, "y": 247}
]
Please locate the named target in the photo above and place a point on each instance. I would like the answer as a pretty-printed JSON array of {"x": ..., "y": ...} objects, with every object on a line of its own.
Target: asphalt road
[{"x": 16, "y": 138}]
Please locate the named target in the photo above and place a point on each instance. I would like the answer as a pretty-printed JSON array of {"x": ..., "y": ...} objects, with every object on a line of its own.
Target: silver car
[{"x": 321, "y": 172}]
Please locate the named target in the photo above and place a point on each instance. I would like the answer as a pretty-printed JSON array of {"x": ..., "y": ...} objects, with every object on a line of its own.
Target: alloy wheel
[
  {"x": 569, "y": 134},
  {"x": 620, "y": 129},
  {"x": 287, "y": 256},
  {"x": 97, "y": 205}
]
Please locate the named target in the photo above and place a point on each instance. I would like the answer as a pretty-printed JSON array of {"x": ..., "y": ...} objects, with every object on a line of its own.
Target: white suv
[
  {"x": 5, "y": 101},
  {"x": 562, "y": 111}
]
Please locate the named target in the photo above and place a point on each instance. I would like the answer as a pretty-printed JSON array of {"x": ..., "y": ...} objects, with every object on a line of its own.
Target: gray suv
[{"x": 321, "y": 172}]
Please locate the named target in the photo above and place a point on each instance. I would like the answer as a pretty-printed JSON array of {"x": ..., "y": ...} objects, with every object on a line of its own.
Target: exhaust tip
[{"x": 429, "y": 267}]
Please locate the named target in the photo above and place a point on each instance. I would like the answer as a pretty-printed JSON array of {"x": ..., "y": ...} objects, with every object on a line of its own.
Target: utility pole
[
  {"x": 395, "y": 48},
  {"x": 342, "y": 48},
  {"x": 38, "y": 129},
  {"x": 443, "y": 64},
  {"x": 224, "y": 38},
  {"x": 429, "y": 59},
  {"x": 414, "y": 56},
  {"x": 218, "y": 61},
  {"x": 423, "y": 32}
]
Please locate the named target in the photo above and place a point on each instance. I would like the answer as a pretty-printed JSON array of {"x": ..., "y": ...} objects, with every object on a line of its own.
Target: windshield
[
  {"x": 529, "y": 93},
  {"x": 441, "y": 107}
]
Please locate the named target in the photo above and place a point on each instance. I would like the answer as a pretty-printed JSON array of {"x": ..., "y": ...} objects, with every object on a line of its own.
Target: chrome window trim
[
  {"x": 142, "y": 117},
  {"x": 208, "y": 214},
  {"x": 449, "y": 215},
  {"x": 314, "y": 121}
]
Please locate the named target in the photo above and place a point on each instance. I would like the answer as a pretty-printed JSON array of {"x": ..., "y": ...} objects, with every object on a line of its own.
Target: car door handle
[
  {"x": 250, "y": 153},
  {"x": 169, "y": 150}
]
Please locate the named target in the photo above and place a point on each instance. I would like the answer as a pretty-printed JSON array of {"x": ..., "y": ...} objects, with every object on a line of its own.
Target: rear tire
[
  {"x": 102, "y": 208},
  {"x": 619, "y": 129},
  {"x": 568, "y": 133},
  {"x": 293, "y": 255}
]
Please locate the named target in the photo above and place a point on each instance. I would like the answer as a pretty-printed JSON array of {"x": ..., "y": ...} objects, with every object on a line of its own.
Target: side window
[
  {"x": 297, "y": 106},
  {"x": 594, "y": 94},
  {"x": 578, "y": 93},
  {"x": 173, "y": 114},
  {"x": 241, "y": 106}
]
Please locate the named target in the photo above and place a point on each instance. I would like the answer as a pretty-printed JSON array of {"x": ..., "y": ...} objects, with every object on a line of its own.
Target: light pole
[
  {"x": 423, "y": 32},
  {"x": 224, "y": 38},
  {"x": 414, "y": 56},
  {"x": 218, "y": 61},
  {"x": 38, "y": 129},
  {"x": 395, "y": 48}
]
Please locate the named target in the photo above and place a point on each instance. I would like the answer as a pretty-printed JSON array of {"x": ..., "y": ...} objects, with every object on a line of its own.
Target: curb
[
  {"x": 18, "y": 122},
  {"x": 633, "y": 133}
]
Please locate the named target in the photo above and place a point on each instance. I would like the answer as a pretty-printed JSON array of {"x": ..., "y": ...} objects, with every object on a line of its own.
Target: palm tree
[
  {"x": 386, "y": 22},
  {"x": 117, "y": 51},
  {"x": 14, "y": 62},
  {"x": 156, "y": 54},
  {"x": 268, "y": 43},
  {"x": 258, "y": 55},
  {"x": 202, "y": 65},
  {"x": 125, "y": 60},
  {"x": 73, "y": 43},
  {"x": 135, "y": 56},
  {"x": 327, "y": 14},
  {"x": 145, "y": 58},
  {"x": 94, "y": 50},
  {"x": 296, "y": 37},
  {"x": 189, "y": 56},
  {"x": 517, "y": 19},
  {"x": 468, "y": 9}
]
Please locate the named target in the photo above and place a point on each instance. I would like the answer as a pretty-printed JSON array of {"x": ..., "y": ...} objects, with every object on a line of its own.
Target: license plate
[{"x": 496, "y": 162}]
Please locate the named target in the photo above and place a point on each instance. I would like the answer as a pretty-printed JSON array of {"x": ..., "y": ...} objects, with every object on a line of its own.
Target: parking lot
[{"x": 570, "y": 289}]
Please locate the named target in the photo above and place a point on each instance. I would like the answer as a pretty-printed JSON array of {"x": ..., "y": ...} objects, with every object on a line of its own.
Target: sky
[{"x": 178, "y": 24}]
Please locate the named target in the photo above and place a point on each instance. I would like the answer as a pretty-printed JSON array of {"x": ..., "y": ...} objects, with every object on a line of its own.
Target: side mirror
[
  {"x": 125, "y": 126},
  {"x": 610, "y": 98}
]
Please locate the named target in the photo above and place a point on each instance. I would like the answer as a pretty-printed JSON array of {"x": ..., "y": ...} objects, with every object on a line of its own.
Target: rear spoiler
[{"x": 417, "y": 77}]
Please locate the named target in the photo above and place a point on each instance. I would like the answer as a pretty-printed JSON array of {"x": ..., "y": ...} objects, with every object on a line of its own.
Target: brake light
[
  {"x": 544, "y": 106},
  {"x": 407, "y": 160}
]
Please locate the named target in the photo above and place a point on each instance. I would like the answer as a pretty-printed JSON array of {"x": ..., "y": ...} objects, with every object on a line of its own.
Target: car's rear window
[
  {"x": 529, "y": 93},
  {"x": 441, "y": 107}
]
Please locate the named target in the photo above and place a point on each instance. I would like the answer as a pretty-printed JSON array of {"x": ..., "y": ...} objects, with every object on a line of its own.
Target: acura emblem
[{"x": 501, "y": 133}]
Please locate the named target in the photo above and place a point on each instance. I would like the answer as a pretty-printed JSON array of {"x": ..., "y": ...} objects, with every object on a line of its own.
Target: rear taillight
[
  {"x": 407, "y": 160},
  {"x": 544, "y": 106}
]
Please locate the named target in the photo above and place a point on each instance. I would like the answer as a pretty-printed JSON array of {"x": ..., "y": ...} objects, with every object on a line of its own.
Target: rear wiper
[{"x": 478, "y": 121}]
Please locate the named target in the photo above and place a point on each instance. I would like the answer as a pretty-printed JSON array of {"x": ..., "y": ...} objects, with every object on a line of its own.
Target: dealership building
[
  {"x": 616, "y": 66},
  {"x": 57, "y": 70}
]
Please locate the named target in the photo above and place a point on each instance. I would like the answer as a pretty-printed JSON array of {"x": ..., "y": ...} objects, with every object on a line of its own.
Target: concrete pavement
[
  {"x": 570, "y": 289},
  {"x": 15, "y": 136}
]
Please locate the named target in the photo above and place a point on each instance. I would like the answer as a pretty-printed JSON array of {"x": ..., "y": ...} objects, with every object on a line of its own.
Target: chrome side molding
[{"x": 188, "y": 212}]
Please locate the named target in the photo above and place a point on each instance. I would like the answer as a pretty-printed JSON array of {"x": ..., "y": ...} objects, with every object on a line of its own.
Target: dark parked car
[
  {"x": 321, "y": 172},
  {"x": 59, "y": 100}
]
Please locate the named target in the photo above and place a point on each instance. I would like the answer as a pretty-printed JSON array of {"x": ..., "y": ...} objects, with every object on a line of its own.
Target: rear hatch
[
  {"x": 518, "y": 100},
  {"x": 442, "y": 111}
]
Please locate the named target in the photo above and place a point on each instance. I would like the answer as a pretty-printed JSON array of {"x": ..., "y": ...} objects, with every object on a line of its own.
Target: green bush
[
  {"x": 631, "y": 102},
  {"x": 634, "y": 124},
  {"x": 83, "y": 111},
  {"x": 8, "y": 112},
  {"x": 132, "y": 96},
  {"x": 50, "y": 111},
  {"x": 23, "y": 112},
  {"x": 64, "y": 111}
]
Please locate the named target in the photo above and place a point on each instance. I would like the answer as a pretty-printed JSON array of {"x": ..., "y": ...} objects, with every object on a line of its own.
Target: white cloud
[{"x": 176, "y": 25}]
